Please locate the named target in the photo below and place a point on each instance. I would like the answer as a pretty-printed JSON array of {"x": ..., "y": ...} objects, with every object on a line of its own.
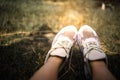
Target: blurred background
[{"x": 27, "y": 28}]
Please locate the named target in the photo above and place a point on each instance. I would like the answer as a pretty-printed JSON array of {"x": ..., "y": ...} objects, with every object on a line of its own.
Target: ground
[{"x": 27, "y": 28}]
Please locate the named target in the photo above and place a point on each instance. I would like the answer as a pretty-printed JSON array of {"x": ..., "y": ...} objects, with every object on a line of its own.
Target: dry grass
[{"x": 28, "y": 27}]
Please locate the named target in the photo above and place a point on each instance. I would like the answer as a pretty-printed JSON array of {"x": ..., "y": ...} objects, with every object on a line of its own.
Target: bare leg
[
  {"x": 49, "y": 70},
  {"x": 89, "y": 41},
  {"x": 61, "y": 46},
  {"x": 100, "y": 71}
]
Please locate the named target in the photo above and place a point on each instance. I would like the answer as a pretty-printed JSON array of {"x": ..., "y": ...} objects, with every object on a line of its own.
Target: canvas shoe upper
[
  {"x": 89, "y": 44},
  {"x": 62, "y": 43}
]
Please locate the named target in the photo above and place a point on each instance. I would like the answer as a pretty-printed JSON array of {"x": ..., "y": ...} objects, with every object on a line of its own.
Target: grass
[{"x": 27, "y": 28}]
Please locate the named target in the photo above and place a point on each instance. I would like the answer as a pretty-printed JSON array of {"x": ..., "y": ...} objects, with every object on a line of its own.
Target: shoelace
[{"x": 92, "y": 45}]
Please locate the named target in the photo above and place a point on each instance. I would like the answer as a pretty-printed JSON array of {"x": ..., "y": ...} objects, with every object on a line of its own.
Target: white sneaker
[
  {"x": 63, "y": 42},
  {"x": 89, "y": 44}
]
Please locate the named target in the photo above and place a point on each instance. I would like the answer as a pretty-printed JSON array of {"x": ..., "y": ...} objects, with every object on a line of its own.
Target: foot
[
  {"x": 89, "y": 44},
  {"x": 63, "y": 42}
]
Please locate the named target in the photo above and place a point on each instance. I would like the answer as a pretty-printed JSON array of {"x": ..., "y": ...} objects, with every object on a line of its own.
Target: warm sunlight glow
[{"x": 71, "y": 17}]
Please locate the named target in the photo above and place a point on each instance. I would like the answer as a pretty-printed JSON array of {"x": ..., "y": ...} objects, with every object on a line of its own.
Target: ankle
[
  {"x": 97, "y": 63},
  {"x": 55, "y": 59}
]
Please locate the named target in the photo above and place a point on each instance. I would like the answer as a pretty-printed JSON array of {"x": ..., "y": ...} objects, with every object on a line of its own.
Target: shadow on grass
[
  {"x": 20, "y": 60},
  {"x": 114, "y": 65},
  {"x": 74, "y": 66}
]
